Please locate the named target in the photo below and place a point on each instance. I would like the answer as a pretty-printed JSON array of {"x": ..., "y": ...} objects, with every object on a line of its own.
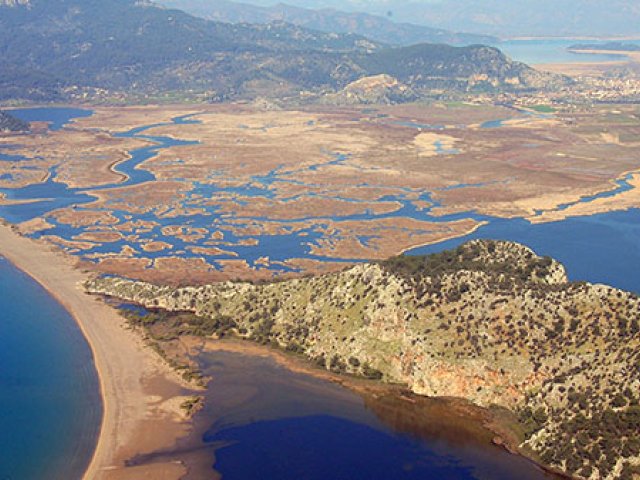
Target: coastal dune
[{"x": 138, "y": 389}]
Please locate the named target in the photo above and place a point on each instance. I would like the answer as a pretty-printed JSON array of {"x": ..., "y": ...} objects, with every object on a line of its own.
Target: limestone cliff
[{"x": 490, "y": 321}]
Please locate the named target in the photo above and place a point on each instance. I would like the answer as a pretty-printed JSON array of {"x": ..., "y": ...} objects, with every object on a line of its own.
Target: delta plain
[
  {"x": 238, "y": 192},
  {"x": 258, "y": 225}
]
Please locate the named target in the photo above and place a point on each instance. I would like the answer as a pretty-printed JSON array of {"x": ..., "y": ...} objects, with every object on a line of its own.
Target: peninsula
[{"x": 490, "y": 322}]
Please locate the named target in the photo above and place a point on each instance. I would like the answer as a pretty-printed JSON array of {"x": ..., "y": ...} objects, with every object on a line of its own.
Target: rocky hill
[
  {"x": 445, "y": 67},
  {"x": 378, "y": 89},
  {"x": 9, "y": 123},
  {"x": 522, "y": 18},
  {"x": 490, "y": 322},
  {"x": 79, "y": 49},
  {"x": 375, "y": 27}
]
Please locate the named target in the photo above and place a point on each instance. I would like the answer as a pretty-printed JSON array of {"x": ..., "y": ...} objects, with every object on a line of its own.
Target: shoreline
[
  {"x": 138, "y": 390},
  {"x": 445, "y": 239},
  {"x": 630, "y": 54},
  {"x": 106, "y": 461},
  {"x": 572, "y": 37},
  {"x": 494, "y": 423}
]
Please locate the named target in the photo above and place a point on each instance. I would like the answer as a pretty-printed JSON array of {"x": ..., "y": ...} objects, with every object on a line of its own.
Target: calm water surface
[
  {"x": 50, "y": 407},
  {"x": 602, "y": 248},
  {"x": 55, "y": 117},
  {"x": 267, "y": 422},
  {"x": 553, "y": 51}
]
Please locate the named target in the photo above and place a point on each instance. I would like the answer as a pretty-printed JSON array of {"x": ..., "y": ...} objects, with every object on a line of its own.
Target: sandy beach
[{"x": 141, "y": 395}]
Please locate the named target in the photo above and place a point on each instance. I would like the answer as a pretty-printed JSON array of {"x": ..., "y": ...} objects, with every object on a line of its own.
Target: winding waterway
[
  {"x": 56, "y": 195},
  {"x": 599, "y": 248}
]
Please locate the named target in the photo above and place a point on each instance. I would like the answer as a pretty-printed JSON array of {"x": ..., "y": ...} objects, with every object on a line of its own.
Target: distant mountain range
[
  {"x": 517, "y": 18},
  {"x": 76, "y": 49},
  {"x": 503, "y": 18},
  {"x": 375, "y": 27}
]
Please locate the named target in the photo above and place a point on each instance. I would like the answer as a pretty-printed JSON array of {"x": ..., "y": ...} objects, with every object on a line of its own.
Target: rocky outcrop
[
  {"x": 374, "y": 90},
  {"x": 475, "y": 68},
  {"x": 490, "y": 322}
]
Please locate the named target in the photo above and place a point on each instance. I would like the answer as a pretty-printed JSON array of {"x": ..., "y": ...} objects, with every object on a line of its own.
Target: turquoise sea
[{"x": 50, "y": 406}]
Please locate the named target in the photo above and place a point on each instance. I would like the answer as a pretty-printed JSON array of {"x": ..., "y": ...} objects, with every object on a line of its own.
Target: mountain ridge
[
  {"x": 375, "y": 27},
  {"x": 79, "y": 50},
  {"x": 503, "y": 18},
  {"x": 506, "y": 18}
]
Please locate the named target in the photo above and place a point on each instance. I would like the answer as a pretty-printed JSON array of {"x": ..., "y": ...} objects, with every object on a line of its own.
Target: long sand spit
[{"x": 140, "y": 394}]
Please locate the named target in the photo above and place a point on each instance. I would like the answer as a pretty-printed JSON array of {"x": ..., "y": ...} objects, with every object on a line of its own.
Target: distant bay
[
  {"x": 55, "y": 117},
  {"x": 601, "y": 248},
  {"x": 541, "y": 51}
]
